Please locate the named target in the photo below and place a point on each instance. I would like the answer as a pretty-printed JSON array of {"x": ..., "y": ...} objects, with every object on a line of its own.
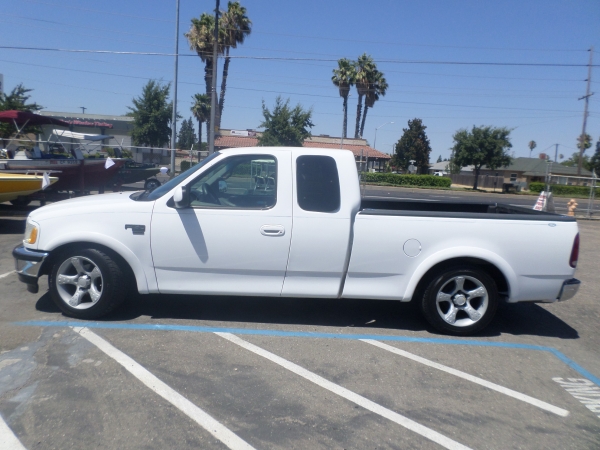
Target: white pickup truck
[{"x": 290, "y": 222}]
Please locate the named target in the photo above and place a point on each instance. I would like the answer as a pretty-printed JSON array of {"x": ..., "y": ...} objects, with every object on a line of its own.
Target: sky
[{"x": 416, "y": 44}]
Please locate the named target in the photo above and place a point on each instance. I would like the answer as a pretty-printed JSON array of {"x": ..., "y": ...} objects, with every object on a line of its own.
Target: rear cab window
[{"x": 318, "y": 184}]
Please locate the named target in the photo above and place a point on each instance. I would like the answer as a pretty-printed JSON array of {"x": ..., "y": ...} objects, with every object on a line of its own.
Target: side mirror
[{"x": 182, "y": 197}]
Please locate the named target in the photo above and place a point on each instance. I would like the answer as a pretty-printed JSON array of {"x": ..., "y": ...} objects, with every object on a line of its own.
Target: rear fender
[{"x": 464, "y": 252}]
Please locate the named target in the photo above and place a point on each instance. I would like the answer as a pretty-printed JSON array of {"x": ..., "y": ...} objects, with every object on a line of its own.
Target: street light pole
[
  {"x": 174, "y": 116},
  {"x": 375, "y": 140}
]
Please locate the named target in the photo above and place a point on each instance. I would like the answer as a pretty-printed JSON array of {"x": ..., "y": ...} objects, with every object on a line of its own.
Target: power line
[{"x": 273, "y": 58}]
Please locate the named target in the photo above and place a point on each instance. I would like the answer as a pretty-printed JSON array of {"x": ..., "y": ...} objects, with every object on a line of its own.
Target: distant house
[
  {"x": 523, "y": 171},
  {"x": 373, "y": 160}
]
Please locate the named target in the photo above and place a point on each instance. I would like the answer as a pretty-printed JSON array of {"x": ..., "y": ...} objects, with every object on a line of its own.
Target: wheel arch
[
  {"x": 131, "y": 264},
  {"x": 497, "y": 268}
]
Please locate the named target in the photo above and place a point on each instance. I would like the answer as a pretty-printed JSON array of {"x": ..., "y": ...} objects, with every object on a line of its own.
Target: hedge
[
  {"x": 407, "y": 180},
  {"x": 560, "y": 189},
  {"x": 185, "y": 165}
]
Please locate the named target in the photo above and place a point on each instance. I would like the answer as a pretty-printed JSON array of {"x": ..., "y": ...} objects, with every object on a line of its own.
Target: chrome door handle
[{"x": 272, "y": 230}]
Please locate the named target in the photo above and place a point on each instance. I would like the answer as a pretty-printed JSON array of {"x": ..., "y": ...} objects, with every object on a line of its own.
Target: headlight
[{"x": 31, "y": 232}]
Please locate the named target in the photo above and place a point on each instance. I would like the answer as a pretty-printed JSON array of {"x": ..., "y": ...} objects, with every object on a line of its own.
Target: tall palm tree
[
  {"x": 344, "y": 77},
  {"x": 377, "y": 87},
  {"x": 201, "y": 37},
  {"x": 201, "y": 111},
  {"x": 236, "y": 26},
  {"x": 364, "y": 66},
  {"x": 532, "y": 145}
]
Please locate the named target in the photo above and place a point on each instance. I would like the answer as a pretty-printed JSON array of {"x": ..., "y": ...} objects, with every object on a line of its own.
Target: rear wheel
[
  {"x": 87, "y": 283},
  {"x": 21, "y": 201},
  {"x": 151, "y": 184},
  {"x": 460, "y": 301}
]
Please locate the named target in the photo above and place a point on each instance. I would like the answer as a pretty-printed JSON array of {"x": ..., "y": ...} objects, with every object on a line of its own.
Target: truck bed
[{"x": 477, "y": 210}]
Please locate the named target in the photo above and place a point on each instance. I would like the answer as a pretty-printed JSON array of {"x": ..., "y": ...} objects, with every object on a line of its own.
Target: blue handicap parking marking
[{"x": 307, "y": 334}]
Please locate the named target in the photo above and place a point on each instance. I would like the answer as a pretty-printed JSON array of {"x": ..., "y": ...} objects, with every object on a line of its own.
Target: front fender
[
  {"x": 144, "y": 274},
  {"x": 464, "y": 252}
]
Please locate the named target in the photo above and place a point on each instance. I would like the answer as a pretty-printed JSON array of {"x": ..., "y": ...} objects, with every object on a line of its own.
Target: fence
[{"x": 484, "y": 181}]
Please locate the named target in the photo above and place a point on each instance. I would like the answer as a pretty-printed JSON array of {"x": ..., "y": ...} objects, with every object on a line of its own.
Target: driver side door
[{"x": 235, "y": 237}]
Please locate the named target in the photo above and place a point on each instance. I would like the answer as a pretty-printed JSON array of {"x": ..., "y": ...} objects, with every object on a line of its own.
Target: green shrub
[
  {"x": 407, "y": 180},
  {"x": 560, "y": 189},
  {"x": 185, "y": 165}
]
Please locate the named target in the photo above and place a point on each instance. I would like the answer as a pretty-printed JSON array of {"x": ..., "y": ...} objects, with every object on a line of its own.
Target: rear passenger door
[{"x": 321, "y": 229}]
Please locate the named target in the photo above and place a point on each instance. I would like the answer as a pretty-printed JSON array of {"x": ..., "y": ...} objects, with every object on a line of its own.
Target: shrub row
[
  {"x": 185, "y": 165},
  {"x": 560, "y": 189},
  {"x": 407, "y": 180}
]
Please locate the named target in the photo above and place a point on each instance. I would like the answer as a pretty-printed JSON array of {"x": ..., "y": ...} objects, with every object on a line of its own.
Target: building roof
[
  {"x": 538, "y": 167},
  {"x": 358, "y": 147}
]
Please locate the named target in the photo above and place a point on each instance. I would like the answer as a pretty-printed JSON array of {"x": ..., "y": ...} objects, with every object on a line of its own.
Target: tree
[
  {"x": 573, "y": 161},
  {"x": 439, "y": 160},
  {"x": 482, "y": 146},
  {"x": 187, "y": 137},
  {"x": 16, "y": 100},
  {"x": 531, "y": 146},
  {"x": 236, "y": 26},
  {"x": 413, "y": 145},
  {"x": 201, "y": 111},
  {"x": 377, "y": 88},
  {"x": 583, "y": 143},
  {"x": 285, "y": 126},
  {"x": 364, "y": 74},
  {"x": 151, "y": 114},
  {"x": 344, "y": 78},
  {"x": 595, "y": 159}
]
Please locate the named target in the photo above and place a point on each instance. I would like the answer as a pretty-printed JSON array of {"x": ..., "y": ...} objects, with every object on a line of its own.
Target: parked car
[{"x": 216, "y": 229}]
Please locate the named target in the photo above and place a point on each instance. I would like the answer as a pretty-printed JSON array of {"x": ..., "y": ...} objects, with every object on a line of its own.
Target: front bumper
[
  {"x": 569, "y": 289},
  {"x": 28, "y": 264}
]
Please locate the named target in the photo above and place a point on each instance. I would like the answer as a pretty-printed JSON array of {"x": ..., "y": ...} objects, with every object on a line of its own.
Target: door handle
[{"x": 272, "y": 230}]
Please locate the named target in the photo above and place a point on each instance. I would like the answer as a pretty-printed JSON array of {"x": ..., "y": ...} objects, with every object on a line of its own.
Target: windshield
[{"x": 157, "y": 193}]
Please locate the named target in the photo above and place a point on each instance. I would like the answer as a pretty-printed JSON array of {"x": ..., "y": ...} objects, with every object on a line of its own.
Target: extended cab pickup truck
[{"x": 291, "y": 222}]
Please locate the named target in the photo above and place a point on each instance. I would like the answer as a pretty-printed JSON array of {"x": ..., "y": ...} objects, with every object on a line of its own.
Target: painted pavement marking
[
  {"x": 8, "y": 440},
  {"x": 488, "y": 384},
  {"x": 347, "y": 394},
  {"x": 583, "y": 390},
  {"x": 4, "y": 275},
  {"x": 219, "y": 431},
  {"x": 314, "y": 335}
]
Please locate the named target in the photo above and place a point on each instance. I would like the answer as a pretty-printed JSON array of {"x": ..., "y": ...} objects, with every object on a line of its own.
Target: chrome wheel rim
[
  {"x": 462, "y": 301},
  {"x": 79, "y": 282}
]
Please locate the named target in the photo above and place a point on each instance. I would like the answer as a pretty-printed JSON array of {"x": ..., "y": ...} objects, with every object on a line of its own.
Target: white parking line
[
  {"x": 348, "y": 395},
  {"x": 488, "y": 384},
  {"x": 219, "y": 431},
  {"x": 8, "y": 440},
  {"x": 4, "y": 275}
]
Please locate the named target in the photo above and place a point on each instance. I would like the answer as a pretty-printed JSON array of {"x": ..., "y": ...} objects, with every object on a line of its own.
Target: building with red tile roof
[{"x": 374, "y": 159}]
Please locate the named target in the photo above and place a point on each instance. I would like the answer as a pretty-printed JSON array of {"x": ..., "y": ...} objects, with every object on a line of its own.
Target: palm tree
[
  {"x": 236, "y": 26},
  {"x": 532, "y": 145},
  {"x": 201, "y": 38},
  {"x": 201, "y": 111},
  {"x": 344, "y": 77},
  {"x": 364, "y": 66},
  {"x": 377, "y": 87}
]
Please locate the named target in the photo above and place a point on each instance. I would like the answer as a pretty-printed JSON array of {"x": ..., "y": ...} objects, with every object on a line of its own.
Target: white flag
[
  {"x": 109, "y": 163},
  {"x": 45, "y": 180}
]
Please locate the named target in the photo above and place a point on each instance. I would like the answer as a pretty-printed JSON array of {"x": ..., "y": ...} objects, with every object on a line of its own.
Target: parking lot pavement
[{"x": 206, "y": 372}]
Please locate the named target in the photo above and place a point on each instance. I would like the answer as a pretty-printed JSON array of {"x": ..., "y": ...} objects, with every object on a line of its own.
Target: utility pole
[
  {"x": 556, "y": 153},
  {"x": 83, "y": 108},
  {"x": 174, "y": 116},
  {"x": 586, "y": 97},
  {"x": 213, "y": 90}
]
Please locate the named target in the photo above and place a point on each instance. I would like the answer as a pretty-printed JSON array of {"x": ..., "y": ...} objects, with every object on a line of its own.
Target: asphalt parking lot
[{"x": 208, "y": 372}]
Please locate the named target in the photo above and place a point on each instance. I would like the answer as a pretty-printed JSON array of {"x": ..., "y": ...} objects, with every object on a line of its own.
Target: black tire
[
  {"x": 151, "y": 184},
  {"x": 460, "y": 308},
  {"x": 20, "y": 201},
  {"x": 94, "y": 281}
]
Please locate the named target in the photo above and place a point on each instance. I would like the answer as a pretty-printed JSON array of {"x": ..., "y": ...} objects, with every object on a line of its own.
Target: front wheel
[
  {"x": 87, "y": 283},
  {"x": 460, "y": 301}
]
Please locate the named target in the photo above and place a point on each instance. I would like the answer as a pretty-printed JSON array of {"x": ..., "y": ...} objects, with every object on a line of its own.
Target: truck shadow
[
  {"x": 12, "y": 226},
  {"x": 240, "y": 312}
]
